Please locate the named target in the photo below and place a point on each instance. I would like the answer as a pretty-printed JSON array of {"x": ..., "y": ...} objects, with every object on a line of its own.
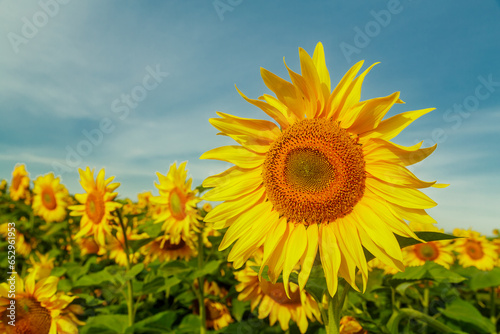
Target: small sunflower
[
  {"x": 377, "y": 264},
  {"x": 117, "y": 244},
  {"x": 164, "y": 249},
  {"x": 39, "y": 308},
  {"x": 3, "y": 186},
  {"x": 217, "y": 314},
  {"x": 274, "y": 302},
  {"x": 144, "y": 199},
  {"x": 475, "y": 250},
  {"x": 440, "y": 252},
  {"x": 19, "y": 186},
  {"x": 496, "y": 242},
  {"x": 326, "y": 177},
  {"x": 180, "y": 214},
  {"x": 88, "y": 246},
  {"x": 96, "y": 205},
  {"x": 50, "y": 198},
  {"x": 349, "y": 325},
  {"x": 42, "y": 265}
]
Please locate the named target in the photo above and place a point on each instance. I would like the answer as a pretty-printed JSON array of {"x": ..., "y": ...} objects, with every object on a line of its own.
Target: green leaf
[
  {"x": 429, "y": 271},
  {"x": 157, "y": 284},
  {"x": 134, "y": 271},
  {"x": 94, "y": 279},
  {"x": 106, "y": 324},
  {"x": 189, "y": 324},
  {"x": 186, "y": 297},
  {"x": 136, "y": 244},
  {"x": 159, "y": 323},
  {"x": 58, "y": 271},
  {"x": 485, "y": 279},
  {"x": 464, "y": 312},
  {"x": 405, "y": 242},
  {"x": 210, "y": 268},
  {"x": 238, "y": 308},
  {"x": 64, "y": 285},
  {"x": 175, "y": 267},
  {"x": 76, "y": 270},
  {"x": 153, "y": 230}
]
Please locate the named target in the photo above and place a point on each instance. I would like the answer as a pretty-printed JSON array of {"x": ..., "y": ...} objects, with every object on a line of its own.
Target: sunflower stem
[
  {"x": 493, "y": 316},
  {"x": 335, "y": 306},
  {"x": 201, "y": 284},
  {"x": 130, "y": 299},
  {"x": 426, "y": 305},
  {"x": 414, "y": 314},
  {"x": 71, "y": 244}
]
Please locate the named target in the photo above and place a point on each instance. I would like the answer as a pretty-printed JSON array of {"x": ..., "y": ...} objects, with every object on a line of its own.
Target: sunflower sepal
[
  {"x": 429, "y": 271},
  {"x": 405, "y": 242}
]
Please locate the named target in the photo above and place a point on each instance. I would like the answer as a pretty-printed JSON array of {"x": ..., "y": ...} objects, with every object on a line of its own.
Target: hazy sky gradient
[{"x": 66, "y": 68}]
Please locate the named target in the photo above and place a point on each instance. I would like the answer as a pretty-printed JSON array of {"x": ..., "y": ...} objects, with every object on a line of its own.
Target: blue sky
[{"x": 130, "y": 85}]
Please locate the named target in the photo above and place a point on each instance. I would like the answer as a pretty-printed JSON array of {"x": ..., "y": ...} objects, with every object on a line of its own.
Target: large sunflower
[
  {"x": 273, "y": 300},
  {"x": 50, "y": 198},
  {"x": 96, "y": 205},
  {"x": 19, "y": 186},
  {"x": 38, "y": 307},
  {"x": 180, "y": 214},
  {"x": 324, "y": 177},
  {"x": 475, "y": 250}
]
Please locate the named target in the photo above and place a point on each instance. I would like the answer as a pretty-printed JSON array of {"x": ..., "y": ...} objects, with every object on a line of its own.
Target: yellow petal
[
  {"x": 262, "y": 131},
  {"x": 46, "y": 288},
  {"x": 370, "y": 221},
  {"x": 243, "y": 224},
  {"x": 351, "y": 97},
  {"x": 391, "y": 218},
  {"x": 237, "y": 155},
  {"x": 377, "y": 149},
  {"x": 249, "y": 242},
  {"x": 275, "y": 241},
  {"x": 296, "y": 247},
  {"x": 379, "y": 252},
  {"x": 396, "y": 174},
  {"x": 391, "y": 127},
  {"x": 269, "y": 108},
  {"x": 309, "y": 256},
  {"x": 284, "y": 90},
  {"x": 406, "y": 197},
  {"x": 230, "y": 209},
  {"x": 370, "y": 114},
  {"x": 330, "y": 256},
  {"x": 232, "y": 184},
  {"x": 29, "y": 283},
  {"x": 414, "y": 215},
  {"x": 338, "y": 94},
  {"x": 324, "y": 75},
  {"x": 352, "y": 245}
]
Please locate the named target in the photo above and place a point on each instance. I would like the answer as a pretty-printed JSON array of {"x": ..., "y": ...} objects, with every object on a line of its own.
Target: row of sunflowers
[{"x": 76, "y": 255}]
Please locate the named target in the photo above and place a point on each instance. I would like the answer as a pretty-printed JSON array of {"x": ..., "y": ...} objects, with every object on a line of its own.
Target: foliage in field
[{"x": 104, "y": 264}]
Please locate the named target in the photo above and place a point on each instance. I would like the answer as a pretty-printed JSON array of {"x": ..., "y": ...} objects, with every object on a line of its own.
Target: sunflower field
[{"x": 319, "y": 227}]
